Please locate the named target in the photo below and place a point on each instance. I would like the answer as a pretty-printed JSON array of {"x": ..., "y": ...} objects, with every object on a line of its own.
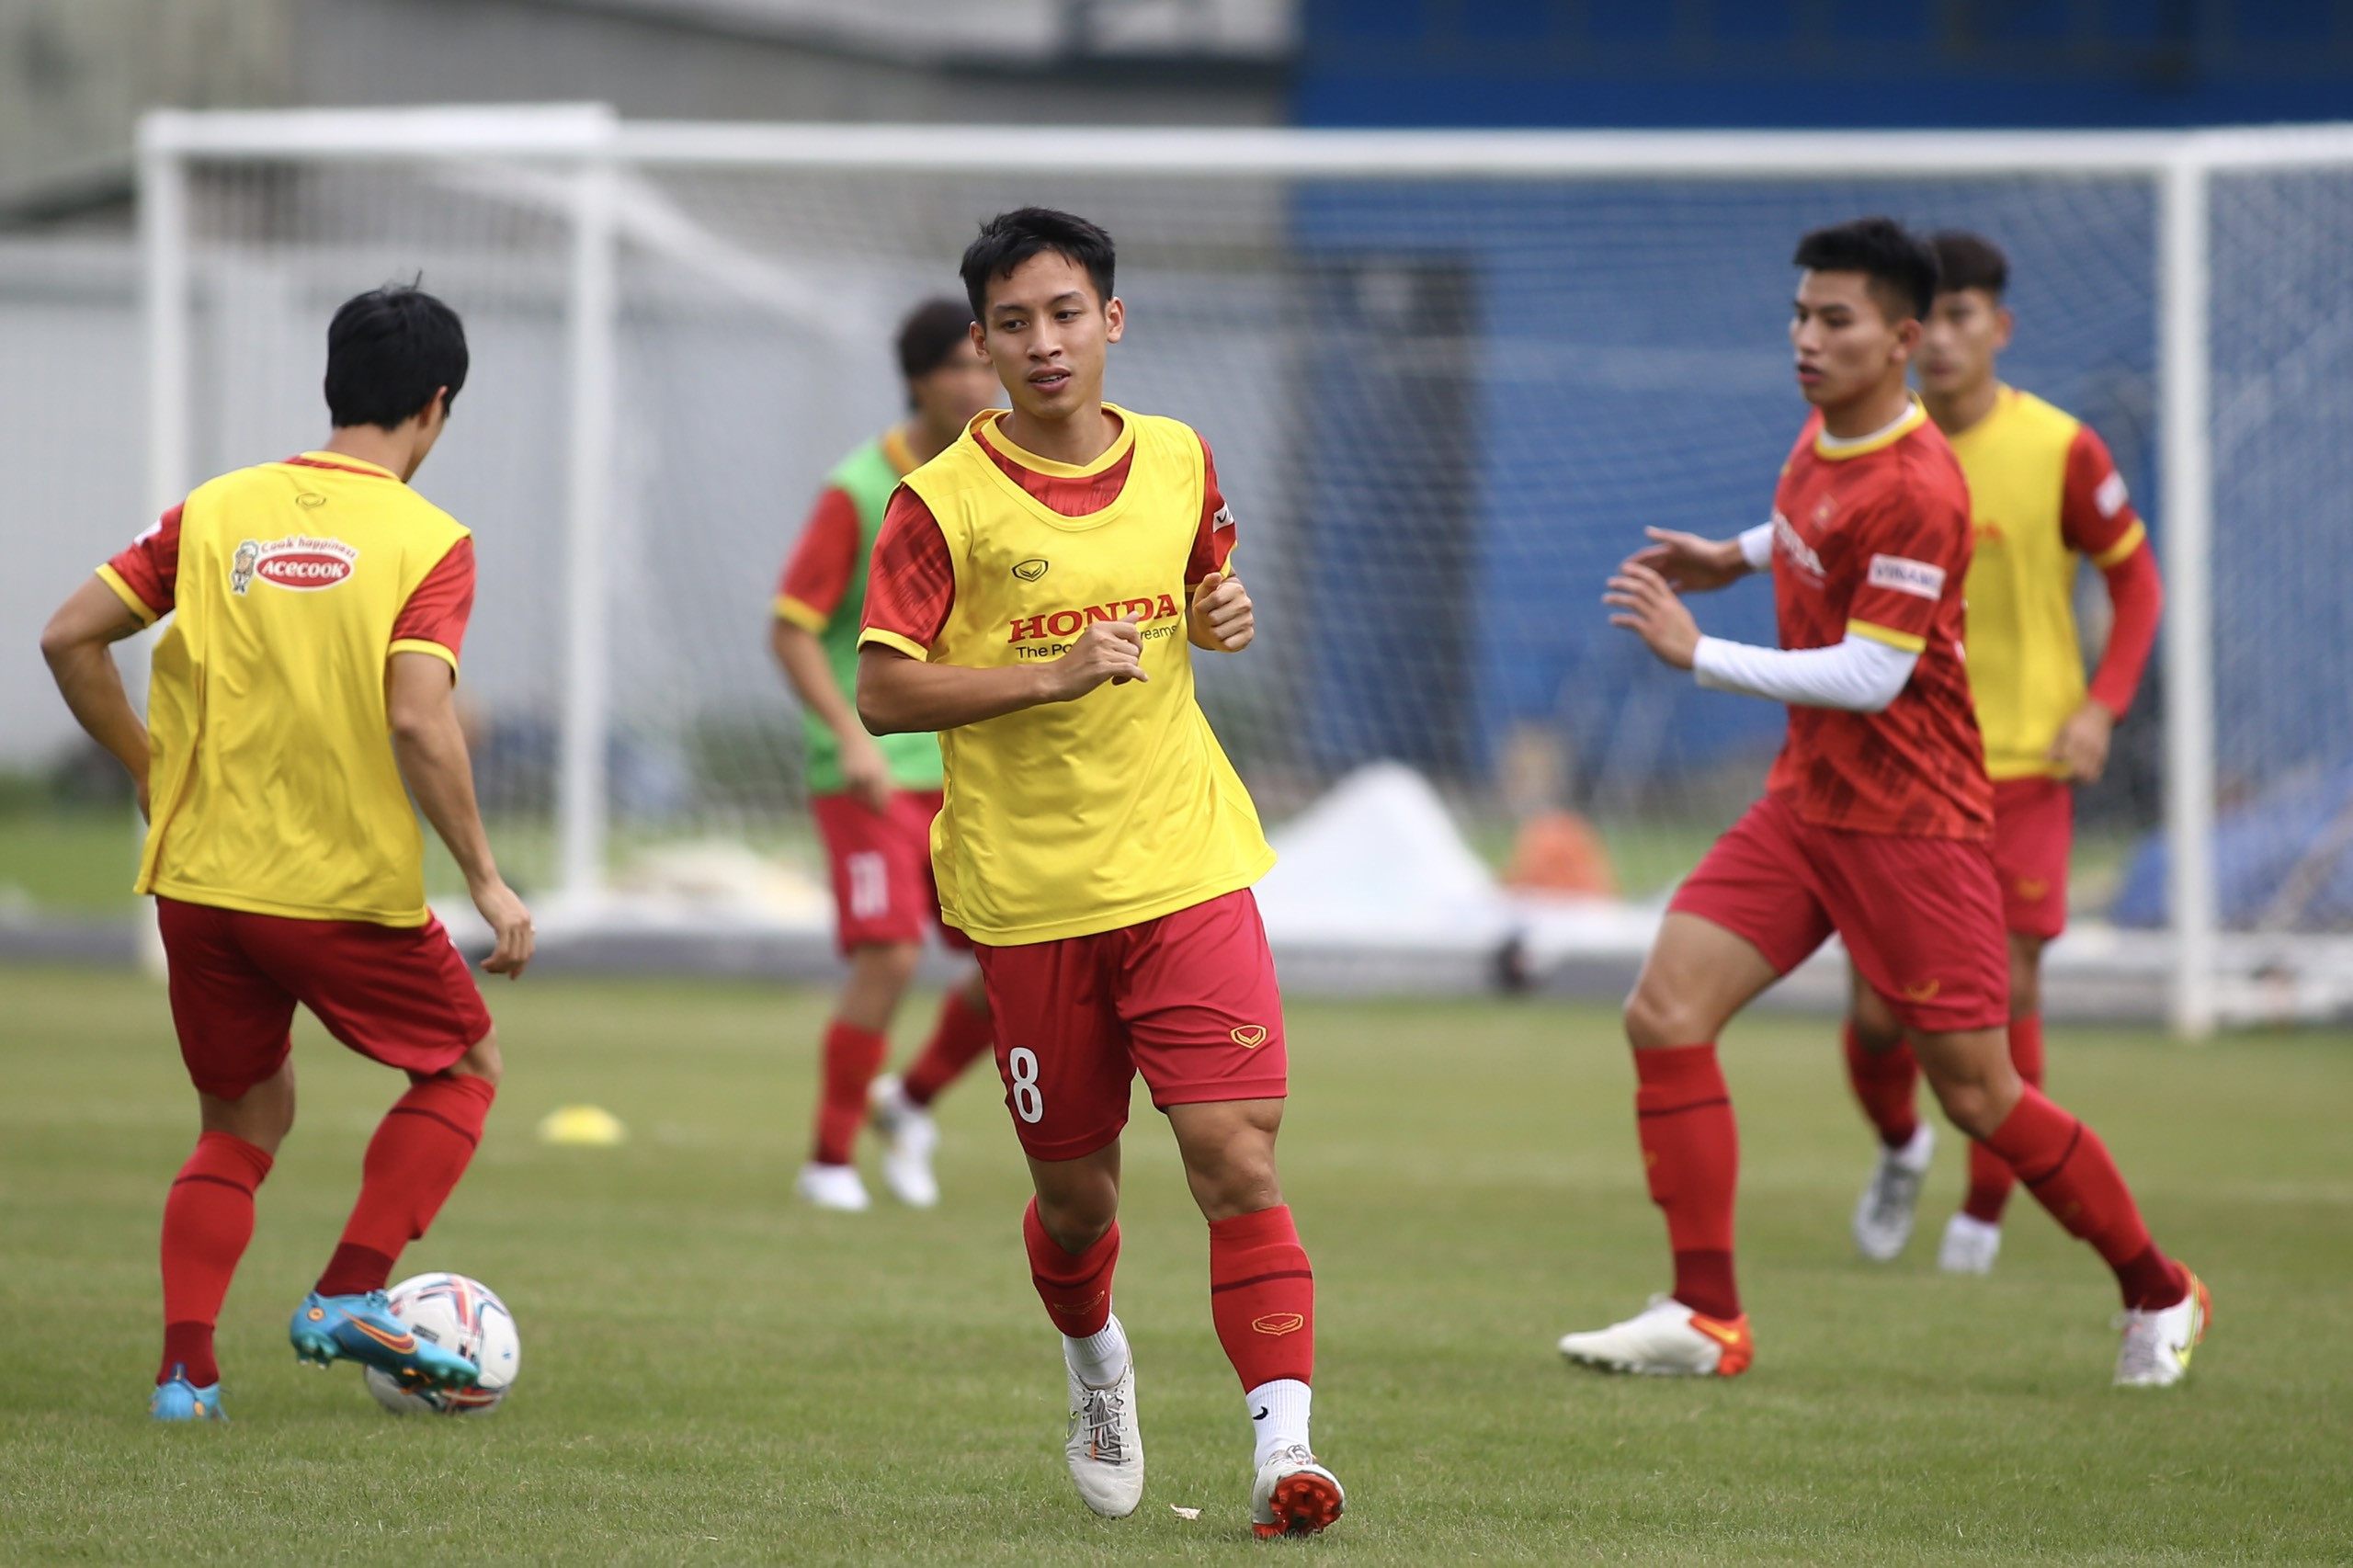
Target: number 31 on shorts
[{"x": 1028, "y": 1102}]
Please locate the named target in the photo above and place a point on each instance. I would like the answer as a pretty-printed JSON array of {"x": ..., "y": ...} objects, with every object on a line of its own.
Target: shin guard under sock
[
  {"x": 853, "y": 1056},
  {"x": 1262, "y": 1296},
  {"x": 207, "y": 1220},
  {"x": 1076, "y": 1287},
  {"x": 1885, "y": 1084},
  {"x": 420, "y": 1150},
  {"x": 2070, "y": 1172},
  {"x": 1990, "y": 1180},
  {"x": 1691, "y": 1155}
]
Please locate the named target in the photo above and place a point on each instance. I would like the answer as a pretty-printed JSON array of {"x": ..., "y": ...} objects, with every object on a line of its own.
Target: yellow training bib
[
  {"x": 1074, "y": 818},
  {"x": 273, "y": 785}
]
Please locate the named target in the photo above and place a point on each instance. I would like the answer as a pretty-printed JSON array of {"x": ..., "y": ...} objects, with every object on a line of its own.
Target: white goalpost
[{"x": 1475, "y": 362}]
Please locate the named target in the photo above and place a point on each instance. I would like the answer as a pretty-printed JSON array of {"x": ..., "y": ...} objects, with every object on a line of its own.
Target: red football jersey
[{"x": 1874, "y": 539}]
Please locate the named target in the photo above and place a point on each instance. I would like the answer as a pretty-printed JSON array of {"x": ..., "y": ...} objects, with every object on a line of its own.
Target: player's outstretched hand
[
  {"x": 866, "y": 772},
  {"x": 1648, "y": 607},
  {"x": 1689, "y": 563},
  {"x": 1223, "y": 616},
  {"x": 512, "y": 925},
  {"x": 2082, "y": 745},
  {"x": 1106, "y": 650}
]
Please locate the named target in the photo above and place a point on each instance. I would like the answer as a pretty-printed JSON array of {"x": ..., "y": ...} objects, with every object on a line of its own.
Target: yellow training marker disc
[{"x": 583, "y": 1126}]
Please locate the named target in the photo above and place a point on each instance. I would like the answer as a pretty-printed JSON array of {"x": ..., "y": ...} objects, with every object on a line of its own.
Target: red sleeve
[
  {"x": 439, "y": 607},
  {"x": 823, "y": 563},
  {"x": 2095, "y": 510},
  {"x": 1215, "y": 540},
  {"x": 911, "y": 584},
  {"x": 1909, "y": 552},
  {"x": 2138, "y": 597},
  {"x": 149, "y": 566}
]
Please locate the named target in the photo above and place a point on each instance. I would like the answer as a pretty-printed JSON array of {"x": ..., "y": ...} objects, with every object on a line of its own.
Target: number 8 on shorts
[{"x": 1028, "y": 1102}]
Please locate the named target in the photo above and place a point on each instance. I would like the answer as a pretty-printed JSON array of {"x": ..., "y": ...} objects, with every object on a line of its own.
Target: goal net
[{"x": 1448, "y": 381}]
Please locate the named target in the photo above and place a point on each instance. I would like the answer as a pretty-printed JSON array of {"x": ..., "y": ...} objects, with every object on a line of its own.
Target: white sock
[
  {"x": 1915, "y": 1154},
  {"x": 1278, "y": 1415},
  {"x": 1101, "y": 1359}
]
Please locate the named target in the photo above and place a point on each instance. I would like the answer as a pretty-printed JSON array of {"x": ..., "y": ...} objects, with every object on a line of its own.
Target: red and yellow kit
[
  {"x": 286, "y": 858},
  {"x": 1098, "y": 852},
  {"x": 1873, "y": 538},
  {"x": 1070, "y": 818},
  {"x": 1874, "y": 824},
  {"x": 2043, "y": 494},
  {"x": 273, "y": 787}
]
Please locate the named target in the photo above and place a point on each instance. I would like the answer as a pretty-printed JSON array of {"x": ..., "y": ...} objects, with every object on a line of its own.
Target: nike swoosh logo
[
  {"x": 1718, "y": 1332},
  {"x": 1262, "y": 1413}
]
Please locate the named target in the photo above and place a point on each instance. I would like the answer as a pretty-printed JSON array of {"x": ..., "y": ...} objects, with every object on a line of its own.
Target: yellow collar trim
[
  {"x": 896, "y": 451},
  {"x": 1914, "y": 417},
  {"x": 1121, "y": 445}
]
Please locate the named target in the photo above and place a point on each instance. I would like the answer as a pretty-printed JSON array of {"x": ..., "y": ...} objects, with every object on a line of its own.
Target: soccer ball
[{"x": 463, "y": 1315}]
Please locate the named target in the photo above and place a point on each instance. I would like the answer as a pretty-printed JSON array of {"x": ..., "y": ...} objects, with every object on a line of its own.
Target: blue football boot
[
  {"x": 363, "y": 1329},
  {"x": 177, "y": 1399}
]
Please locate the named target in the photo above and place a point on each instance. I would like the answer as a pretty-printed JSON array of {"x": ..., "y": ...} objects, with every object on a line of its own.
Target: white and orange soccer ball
[{"x": 459, "y": 1314}]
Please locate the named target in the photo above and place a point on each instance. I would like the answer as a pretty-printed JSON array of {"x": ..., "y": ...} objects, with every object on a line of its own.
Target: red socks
[
  {"x": 2069, "y": 1170},
  {"x": 853, "y": 1056},
  {"x": 1262, "y": 1296},
  {"x": 208, "y": 1219},
  {"x": 420, "y": 1150},
  {"x": 1076, "y": 1287},
  {"x": 1989, "y": 1179},
  {"x": 1691, "y": 1155},
  {"x": 1884, "y": 1082},
  {"x": 963, "y": 1032}
]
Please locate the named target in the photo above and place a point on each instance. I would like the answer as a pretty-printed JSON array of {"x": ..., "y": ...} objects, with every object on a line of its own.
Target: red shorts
[
  {"x": 1188, "y": 999},
  {"x": 1921, "y": 917},
  {"x": 882, "y": 863},
  {"x": 398, "y": 995},
  {"x": 2034, "y": 829}
]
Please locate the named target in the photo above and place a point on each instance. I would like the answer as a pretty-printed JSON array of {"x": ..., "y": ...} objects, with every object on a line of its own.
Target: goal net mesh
[{"x": 1442, "y": 409}]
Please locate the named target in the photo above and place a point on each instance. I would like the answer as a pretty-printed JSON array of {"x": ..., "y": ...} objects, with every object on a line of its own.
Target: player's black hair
[
  {"x": 1970, "y": 261},
  {"x": 1011, "y": 238},
  {"x": 1900, "y": 264},
  {"x": 933, "y": 333},
  {"x": 388, "y": 351}
]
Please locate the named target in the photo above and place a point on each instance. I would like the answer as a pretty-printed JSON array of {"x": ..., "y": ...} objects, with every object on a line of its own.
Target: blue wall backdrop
[{"x": 1825, "y": 62}]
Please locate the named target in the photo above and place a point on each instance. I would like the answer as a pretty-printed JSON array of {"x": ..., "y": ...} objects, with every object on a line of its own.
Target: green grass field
[{"x": 714, "y": 1375}]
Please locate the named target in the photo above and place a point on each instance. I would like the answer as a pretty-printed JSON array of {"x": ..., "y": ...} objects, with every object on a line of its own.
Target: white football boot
[
  {"x": 909, "y": 1135},
  {"x": 1294, "y": 1495},
  {"x": 1883, "y": 1214},
  {"x": 1105, "y": 1447},
  {"x": 832, "y": 1186},
  {"x": 1970, "y": 1246},
  {"x": 1668, "y": 1340},
  {"x": 2157, "y": 1345}
]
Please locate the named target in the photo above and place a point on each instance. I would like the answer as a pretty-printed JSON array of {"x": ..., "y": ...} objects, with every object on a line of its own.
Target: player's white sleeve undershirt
[
  {"x": 1858, "y": 675},
  {"x": 1757, "y": 547}
]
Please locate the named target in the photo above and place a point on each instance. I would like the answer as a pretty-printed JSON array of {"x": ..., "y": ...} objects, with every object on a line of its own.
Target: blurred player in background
[
  {"x": 1037, "y": 591},
  {"x": 2043, "y": 495},
  {"x": 874, "y": 798},
  {"x": 302, "y": 695},
  {"x": 1874, "y": 824}
]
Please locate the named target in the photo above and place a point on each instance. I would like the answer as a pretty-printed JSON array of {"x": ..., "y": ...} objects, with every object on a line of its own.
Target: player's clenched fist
[
  {"x": 1106, "y": 650},
  {"x": 1222, "y": 616}
]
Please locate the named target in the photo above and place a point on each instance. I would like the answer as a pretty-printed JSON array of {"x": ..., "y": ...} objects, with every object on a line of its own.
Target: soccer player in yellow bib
[
  {"x": 2044, "y": 497},
  {"x": 300, "y": 696},
  {"x": 1035, "y": 597}
]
